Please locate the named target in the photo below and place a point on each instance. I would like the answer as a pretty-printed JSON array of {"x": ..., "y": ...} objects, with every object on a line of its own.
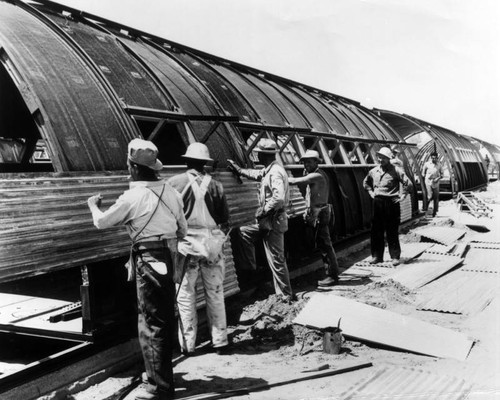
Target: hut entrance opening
[{"x": 22, "y": 148}]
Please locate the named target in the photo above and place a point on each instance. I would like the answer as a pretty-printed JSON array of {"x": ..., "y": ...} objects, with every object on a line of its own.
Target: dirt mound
[{"x": 382, "y": 293}]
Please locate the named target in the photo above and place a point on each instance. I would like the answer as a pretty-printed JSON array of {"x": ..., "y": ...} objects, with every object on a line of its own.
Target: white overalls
[{"x": 203, "y": 249}]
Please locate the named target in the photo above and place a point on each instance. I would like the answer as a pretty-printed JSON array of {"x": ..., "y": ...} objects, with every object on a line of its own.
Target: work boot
[
  {"x": 395, "y": 262},
  {"x": 328, "y": 281},
  {"x": 375, "y": 260}
]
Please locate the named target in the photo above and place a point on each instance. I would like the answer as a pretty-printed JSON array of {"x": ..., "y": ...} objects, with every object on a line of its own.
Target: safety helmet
[{"x": 197, "y": 151}]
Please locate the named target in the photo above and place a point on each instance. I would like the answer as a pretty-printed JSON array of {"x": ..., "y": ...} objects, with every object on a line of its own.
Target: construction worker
[
  {"x": 383, "y": 185},
  {"x": 432, "y": 173},
  {"x": 152, "y": 212},
  {"x": 318, "y": 212},
  {"x": 207, "y": 215},
  {"x": 395, "y": 158},
  {"x": 272, "y": 221}
]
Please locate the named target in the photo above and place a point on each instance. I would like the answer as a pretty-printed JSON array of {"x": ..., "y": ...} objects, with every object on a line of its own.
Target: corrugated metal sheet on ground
[
  {"x": 441, "y": 234},
  {"x": 408, "y": 252},
  {"x": 482, "y": 260},
  {"x": 459, "y": 292},
  {"x": 424, "y": 269},
  {"x": 484, "y": 245},
  {"x": 364, "y": 322},
  {"x": 407, "y": 383},
  {"x": 405, "y": 207}
]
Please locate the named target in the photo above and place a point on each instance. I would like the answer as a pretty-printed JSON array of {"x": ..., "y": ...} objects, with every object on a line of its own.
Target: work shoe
[
  {"x": 143, "y": 393},
  {"x": 222, "y": 350},
  {"x": 395, "y": 262},
  {"x": 186, "y": 353},
  {"x": 375, "y": 260},
  {"x": 328, "y": 281}
]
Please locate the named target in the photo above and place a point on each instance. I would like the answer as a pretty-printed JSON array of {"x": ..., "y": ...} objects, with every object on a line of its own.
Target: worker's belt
[{"x": 148, "y": 244}]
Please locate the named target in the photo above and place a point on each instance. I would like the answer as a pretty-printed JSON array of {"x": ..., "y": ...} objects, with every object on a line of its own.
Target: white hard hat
[
  {"x": 386, "y": 152},
  {"x": 311, "y": 154},
  {"x": 197, "y": 151}
]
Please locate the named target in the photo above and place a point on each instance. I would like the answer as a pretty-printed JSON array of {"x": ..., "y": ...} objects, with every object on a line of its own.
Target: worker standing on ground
[
  {"x": 152, "y": 212},
  {"x": 207, "y": 215},
  {"x": 432, "y": 173},
  {"x": 319, "y": 212},
  {"x": 272, "y": 221},
  {"x": 383, "y": 185}
]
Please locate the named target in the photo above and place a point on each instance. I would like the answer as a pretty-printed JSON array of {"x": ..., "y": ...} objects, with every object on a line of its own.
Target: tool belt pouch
[{"x": 265, "y": 222}]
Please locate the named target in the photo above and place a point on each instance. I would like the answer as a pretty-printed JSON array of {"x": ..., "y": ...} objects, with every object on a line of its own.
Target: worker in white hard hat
[
  {"x": 319, "y": 213},
  {"x": 207, "y": 215},
  {"x": 152, "y": 212},
  {"x": 272, "y": 220},
  {"x": 384, "y": 183}
]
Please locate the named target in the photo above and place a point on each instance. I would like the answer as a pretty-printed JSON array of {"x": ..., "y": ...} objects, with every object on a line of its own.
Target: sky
[{"x": 437, "y": 60}]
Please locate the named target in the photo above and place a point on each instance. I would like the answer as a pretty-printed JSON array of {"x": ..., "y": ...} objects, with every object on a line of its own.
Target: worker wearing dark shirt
[{"x": 384, "y": 184}]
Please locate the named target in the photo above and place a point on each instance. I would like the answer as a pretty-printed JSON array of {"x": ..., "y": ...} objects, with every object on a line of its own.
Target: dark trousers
[
  {"x": 385, "y": 221},
  {"x": 156, "y": 319},
  {"x": 274, "y": 246},
  {"x": 324, "y": 243}
]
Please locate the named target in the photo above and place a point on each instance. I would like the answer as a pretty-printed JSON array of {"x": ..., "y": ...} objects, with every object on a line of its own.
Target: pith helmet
[
  {"x": 311, "y": 154},
  {"x": 145, "y": 153},
  {"x": 197, "y": 151},
  {"x": 266, "y": 146},
  {"x": 386, "y": 152}
]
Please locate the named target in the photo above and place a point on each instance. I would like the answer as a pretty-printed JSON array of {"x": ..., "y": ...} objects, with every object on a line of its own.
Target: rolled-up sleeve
[{"x": 116, "y": 215}]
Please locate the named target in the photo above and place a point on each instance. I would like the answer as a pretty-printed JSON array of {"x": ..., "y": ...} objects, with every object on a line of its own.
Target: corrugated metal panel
[
  {"x": 408, "y": 383},
  {"x": 182, "y": 85},
  {"x": 424, "y": 269},
  {"x": 441, "y": 248},
  {"x": 408, "y": 252},
  {"x": 128, "y": 78},
  {"x": 85, "y": 126},
  {"x": 459, "y": 292},
  {"x": 231, "y": 101},
  {"x": 309, "y": 113},
  {"x": 375, "y": 325},
  {"x": 324, "y": 110},
  {"x": 265, "y": 109},
  {"x": 441, "y": 234},
  {"x": 482, "y": 260},
  {"x": 485, "y": 245},
  {"x": 405, "y": 207},
  {"x": 285, "y": 106}
]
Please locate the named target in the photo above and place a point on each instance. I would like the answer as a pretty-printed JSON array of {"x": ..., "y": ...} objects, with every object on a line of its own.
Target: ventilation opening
[
  {"x": 167, "y": 137},
  {"x": 22, "y": 148}
]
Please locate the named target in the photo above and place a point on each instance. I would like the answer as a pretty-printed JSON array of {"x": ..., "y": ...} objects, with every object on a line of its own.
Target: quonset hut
[{"x": 76, "y": 88}]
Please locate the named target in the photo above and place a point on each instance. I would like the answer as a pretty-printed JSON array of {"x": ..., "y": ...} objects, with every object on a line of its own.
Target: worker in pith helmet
[
  {"x": 207, "y": 215},
  {"x": 383, "y": 185},
  {"x": 152, "y": 213}
]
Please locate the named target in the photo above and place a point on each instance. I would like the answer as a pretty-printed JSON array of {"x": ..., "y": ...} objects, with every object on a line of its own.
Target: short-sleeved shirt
[
  {"x": 432, "y": 172},
  {"x": 386, "y": 182}
]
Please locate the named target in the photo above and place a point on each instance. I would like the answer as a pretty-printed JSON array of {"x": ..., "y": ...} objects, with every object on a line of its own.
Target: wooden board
[{"x": 364, "y": 322}]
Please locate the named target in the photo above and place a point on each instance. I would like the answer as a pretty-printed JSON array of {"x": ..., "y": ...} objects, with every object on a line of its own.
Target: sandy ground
[{"x": 268, "y": 348}]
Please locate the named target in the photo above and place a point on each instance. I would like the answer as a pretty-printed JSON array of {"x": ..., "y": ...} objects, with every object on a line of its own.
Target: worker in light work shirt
[
  {"x": 318, "y": 213},
  {"x": 432, "y": 173},
  {"x": 272, "y": 221},
  {"x": 387, "y": 185},
  {"x": 153, "y": 215},
  {"x": 207, "y": 215}
]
